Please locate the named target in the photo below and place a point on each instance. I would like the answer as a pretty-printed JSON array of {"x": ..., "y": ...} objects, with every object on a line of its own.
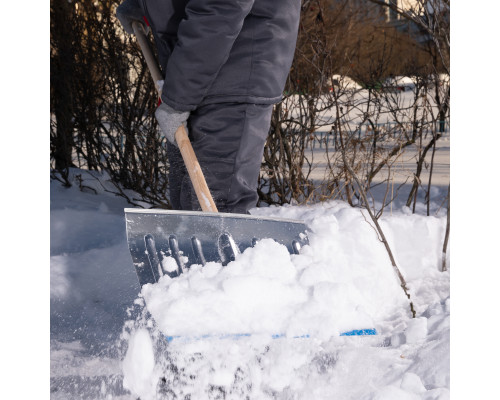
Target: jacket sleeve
[{"x": 205, "y": 39}]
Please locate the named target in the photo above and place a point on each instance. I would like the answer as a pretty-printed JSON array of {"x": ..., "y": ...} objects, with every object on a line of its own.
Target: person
[{"x": 225, "y": 63}]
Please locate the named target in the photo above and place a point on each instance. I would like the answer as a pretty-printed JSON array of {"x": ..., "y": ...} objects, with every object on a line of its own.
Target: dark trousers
[{"x": 228, "y": 139}]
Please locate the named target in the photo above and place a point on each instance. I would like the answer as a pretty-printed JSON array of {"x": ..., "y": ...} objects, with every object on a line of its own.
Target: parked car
[{"x": 398, "y": 84}]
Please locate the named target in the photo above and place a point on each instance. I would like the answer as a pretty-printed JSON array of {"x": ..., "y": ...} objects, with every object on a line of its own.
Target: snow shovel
[{"x": 156, "y": 238}]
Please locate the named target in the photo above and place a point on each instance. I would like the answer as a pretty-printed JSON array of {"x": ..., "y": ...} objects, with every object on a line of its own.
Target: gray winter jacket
[{"x": 217, "y": 51}]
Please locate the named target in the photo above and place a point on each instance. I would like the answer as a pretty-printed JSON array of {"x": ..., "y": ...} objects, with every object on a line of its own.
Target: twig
[
  {"x": 381, "y": 235},
  {"x": 447, "y": 234}
]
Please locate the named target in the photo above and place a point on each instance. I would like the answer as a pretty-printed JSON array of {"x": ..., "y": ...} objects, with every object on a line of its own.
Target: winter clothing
[
  {"x": 217, "y": 51},
  {"x": 170, "y": 120},
  {"x": 128, "y": 12},
  {"x": 226, "y": 62}
]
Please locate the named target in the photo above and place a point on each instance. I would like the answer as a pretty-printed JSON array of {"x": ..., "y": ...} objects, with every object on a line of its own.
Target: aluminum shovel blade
[{"x": 164, "y": 242}]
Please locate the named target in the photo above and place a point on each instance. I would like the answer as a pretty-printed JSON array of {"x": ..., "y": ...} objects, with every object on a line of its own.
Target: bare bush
[
  {"x": 102, "y": 102},
  {"x": 345, "y": 95}
]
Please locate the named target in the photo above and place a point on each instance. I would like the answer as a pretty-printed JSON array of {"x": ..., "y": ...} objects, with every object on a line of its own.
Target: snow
[
  {"x": 139, "y": 363},
  {"x": 108, "y": 338}
]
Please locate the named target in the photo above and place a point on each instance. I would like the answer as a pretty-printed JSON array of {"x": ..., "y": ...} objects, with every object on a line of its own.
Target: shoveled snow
[{"x": 327, "y": 289}]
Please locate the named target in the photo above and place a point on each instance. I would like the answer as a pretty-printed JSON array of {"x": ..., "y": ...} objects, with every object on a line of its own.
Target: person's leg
[{"x": 228, "y": 140}]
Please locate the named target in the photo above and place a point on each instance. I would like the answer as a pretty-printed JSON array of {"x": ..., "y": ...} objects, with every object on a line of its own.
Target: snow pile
[
  {"x": 342, "y": 281},
  {"x": 258, "y": 293}
]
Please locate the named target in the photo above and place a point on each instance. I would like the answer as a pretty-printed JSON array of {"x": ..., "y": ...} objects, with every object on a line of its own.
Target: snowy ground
[{"x": 102, "y": 345}]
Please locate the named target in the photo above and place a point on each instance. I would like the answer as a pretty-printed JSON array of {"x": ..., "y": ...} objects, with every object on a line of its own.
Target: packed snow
[{"x": 266, "y": 326}]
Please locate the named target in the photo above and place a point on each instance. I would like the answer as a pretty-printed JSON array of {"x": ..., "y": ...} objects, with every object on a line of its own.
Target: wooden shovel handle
[{"x": 181, "y": 137}]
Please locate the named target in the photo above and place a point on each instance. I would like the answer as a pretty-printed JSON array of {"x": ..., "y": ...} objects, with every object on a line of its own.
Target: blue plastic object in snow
[
  {"x": 236, "y": 336},
  {"x": 360, "y": 332}
]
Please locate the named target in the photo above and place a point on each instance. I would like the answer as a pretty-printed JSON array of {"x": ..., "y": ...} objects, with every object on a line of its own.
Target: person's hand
[
  {"x": 128, "y": 12},
  {"x": 170, "y": 120}
]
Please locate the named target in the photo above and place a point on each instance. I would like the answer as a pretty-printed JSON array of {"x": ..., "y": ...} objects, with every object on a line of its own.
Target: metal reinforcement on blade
[{"x": 157, "y": 238}]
